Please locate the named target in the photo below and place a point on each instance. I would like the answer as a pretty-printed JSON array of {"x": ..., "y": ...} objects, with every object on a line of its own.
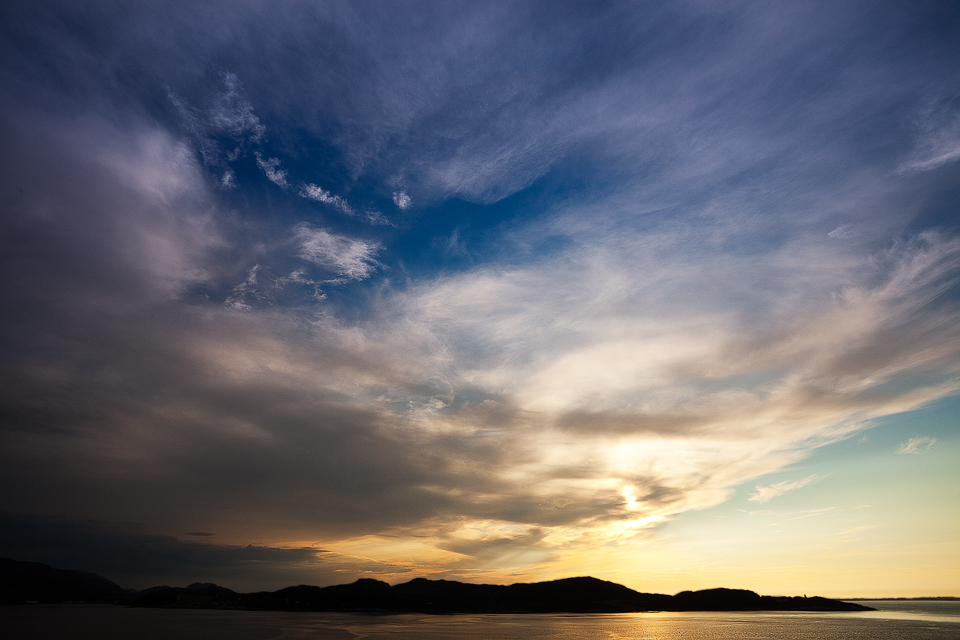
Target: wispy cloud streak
[
  {"x": 271, "y": 169},
  {"x": 938, "y": 142},
  {"x": 769, "y": 492},
  {"x": 347, "y": 257},
  {"x": 319, "y": 194},
  {"x": 916, "y": 444}
]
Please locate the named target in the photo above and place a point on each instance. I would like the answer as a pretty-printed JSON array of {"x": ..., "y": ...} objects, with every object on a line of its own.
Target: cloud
[
  {"x": 401, "y": 200},
  {"x": 241, "y": 295},
  {"x": 140, "y": 560},
  {"x": 611, "y": 364},
  {"x": 916, "y": 444},
  {"x": 938, "y": 138},
  {"x": 375, "y": 217},
  {"x": 843, "y": 232},
  {"x": 122, "y": 213},
  {"x": 314, "y": 192},
  {"x": 271, "y": 168},
  {"x": 233, "y": 113},
  {"x": 347, "y": 257},
  {"x": 769, "y": 492},
  {"x": 229, "y": 179},
  {"x": 226, "y": 113}
]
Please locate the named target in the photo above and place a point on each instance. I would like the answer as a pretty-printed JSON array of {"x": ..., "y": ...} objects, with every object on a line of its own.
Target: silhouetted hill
[
  {"x": 718, "y": 600},
  {"x": 743, "y": 600},
  {"x": 581, "y": 595},
  {"x": 573, "y": 595},
  {"x": 584, "y": 595},
  {"x": 196, "y": 596},
  {"x": 23, "y": 582}
]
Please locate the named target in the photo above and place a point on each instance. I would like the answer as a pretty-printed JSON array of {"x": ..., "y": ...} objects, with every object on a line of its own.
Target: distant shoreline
[
  {"x": 29, "y": 582},
  {"x": 924, "y": 598}
]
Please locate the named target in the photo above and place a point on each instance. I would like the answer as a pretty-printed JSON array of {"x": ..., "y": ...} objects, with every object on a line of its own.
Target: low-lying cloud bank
[{"x": 139, "y": 560}]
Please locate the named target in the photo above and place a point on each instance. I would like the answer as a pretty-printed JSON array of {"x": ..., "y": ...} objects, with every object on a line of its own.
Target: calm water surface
[{"x": 896, "y": 620}]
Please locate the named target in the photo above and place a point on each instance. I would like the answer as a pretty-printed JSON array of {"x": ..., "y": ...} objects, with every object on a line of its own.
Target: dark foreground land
[{"x": 26, "y": 582}]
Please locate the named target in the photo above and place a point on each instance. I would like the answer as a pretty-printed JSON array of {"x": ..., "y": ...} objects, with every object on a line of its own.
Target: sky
[{"x": 306, "y": 292}]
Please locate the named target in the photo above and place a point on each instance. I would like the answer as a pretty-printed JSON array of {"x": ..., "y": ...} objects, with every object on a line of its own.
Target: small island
[{"x": 31, "y": 582}]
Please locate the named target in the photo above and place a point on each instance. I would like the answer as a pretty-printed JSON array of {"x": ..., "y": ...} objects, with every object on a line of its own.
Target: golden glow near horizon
[{"x": 771, "y": 542}]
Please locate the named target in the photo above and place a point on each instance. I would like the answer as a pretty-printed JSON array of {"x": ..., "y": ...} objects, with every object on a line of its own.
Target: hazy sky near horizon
[{"x": 663, "y": 293}]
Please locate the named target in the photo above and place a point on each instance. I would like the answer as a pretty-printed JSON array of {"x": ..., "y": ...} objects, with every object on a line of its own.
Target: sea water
[{"x": 894, "y": 620}]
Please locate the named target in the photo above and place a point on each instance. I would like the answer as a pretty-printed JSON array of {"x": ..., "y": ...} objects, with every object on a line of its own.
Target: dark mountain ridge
[
  {"x": 26, "y": 582},
  {"x": 19, "y": 581},
  {"x": 420, "y": 595}
]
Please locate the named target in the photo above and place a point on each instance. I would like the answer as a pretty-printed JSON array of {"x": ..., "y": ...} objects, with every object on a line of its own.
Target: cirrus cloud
[
  {"x": 769, "y": 492},
  {"x": 347, "y": 257},
  {"x": 916, "y": 444}
]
